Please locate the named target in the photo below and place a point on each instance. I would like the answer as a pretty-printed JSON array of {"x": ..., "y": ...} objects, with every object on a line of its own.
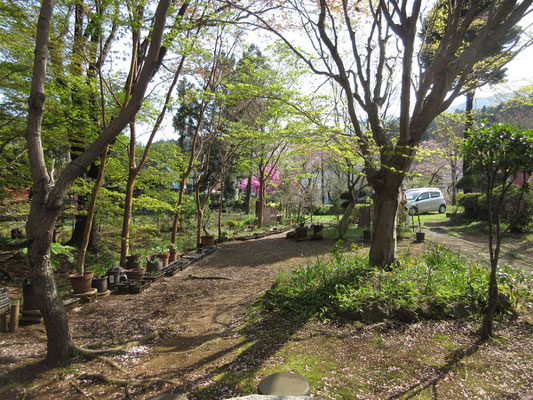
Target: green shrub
[
  {"x": 470, "y": 202},
  {"x": 321, "y": 209},
  {"x": 513, "y": 211},
  {"x": 516, "y": 210},
  {"x": 249, "y": 220},
  {"x": 232, "y": 224}
]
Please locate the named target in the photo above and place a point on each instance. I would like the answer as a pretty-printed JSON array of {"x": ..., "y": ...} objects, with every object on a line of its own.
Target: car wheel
[
  {"x": 413, "y": 211},
  {"x": 442, "y": 209}
]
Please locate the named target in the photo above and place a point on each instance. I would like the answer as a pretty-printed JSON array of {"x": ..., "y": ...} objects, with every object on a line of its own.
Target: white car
[{"x": 423, "y": 200}]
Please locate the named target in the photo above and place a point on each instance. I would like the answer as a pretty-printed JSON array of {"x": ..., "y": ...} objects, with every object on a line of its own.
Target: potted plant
[
  {"x": 80, "y": 281},
  {"x": 100, "y": 281},
  {"x": 134, "y": 269},
  {"x": 153, "y": 263},
  {"x": 420, "y": 236},
  {"x": 301, "y": 229},
  {"x": 173, "y": 251},
  {"x": 207, "y": 240},
  {"x": 317, "y": 231},
  {"x": 162, "y": 253}
]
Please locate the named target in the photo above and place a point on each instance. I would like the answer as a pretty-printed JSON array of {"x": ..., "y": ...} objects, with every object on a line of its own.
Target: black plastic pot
[
  {"x": 420, "y": 236},
  {"x": 113, "y": 276},
  {"x": 100, "y": 283}
]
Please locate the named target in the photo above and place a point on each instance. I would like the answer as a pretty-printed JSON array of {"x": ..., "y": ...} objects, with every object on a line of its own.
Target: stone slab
[{"x": 286, "y": 383}]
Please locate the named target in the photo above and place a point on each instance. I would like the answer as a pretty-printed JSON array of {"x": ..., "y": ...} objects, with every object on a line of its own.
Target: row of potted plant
[{"x": 99, "y": 277}]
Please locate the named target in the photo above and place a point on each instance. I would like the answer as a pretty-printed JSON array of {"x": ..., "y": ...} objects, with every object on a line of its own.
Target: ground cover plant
[{"x": 439, "y": 284}]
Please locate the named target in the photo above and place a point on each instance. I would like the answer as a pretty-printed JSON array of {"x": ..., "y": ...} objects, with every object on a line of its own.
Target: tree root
[
  {"x": 113, "y": 364},
  {"x": 93, "y": 353},
  {"x": 81, "y": 391}
]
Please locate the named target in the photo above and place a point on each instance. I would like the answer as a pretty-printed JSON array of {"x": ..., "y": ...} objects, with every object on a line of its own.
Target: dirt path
[
  {"x": 475, "y": 248},
  {"x": 204, "y": 305}
]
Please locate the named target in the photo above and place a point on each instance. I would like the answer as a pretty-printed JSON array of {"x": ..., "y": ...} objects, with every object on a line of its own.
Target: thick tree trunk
[
  {"x": 48, "y": 195},
  {"x": 44, "y": 211},
  {"x": 383, "y": 251},
  {"x": 39, "y": 231}
]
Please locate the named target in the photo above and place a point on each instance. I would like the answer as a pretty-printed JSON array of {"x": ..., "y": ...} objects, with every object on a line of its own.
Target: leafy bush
[
  {"x": 470, "y": 203},
  {"x": 232, "y": 224},
  {"x": 322, "y": 209},
  {"x": 434, "y": 285},
  {"x": 515, "y": 212},
  {"x": 517, "y": 207}
]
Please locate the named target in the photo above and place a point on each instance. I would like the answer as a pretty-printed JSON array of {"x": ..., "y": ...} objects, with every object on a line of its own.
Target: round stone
[{"x": 286, "y": 383}]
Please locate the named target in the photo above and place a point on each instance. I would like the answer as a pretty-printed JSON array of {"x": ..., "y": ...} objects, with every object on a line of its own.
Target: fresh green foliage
[
  {"x": 58, "y": 252},
  {"x": 432, "y": 284},
  {"x": 99, "y": 270}
]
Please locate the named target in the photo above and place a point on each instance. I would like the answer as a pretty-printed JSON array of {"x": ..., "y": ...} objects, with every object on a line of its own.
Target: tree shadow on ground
[
  {"x": 262, "y": 339},
  {"x": 452, "y": 360}
]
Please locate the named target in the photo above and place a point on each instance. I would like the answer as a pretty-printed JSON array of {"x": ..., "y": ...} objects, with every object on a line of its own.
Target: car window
[
  {"x": 435, "y": 194},
  {"x": 411, "y": 195},
  {"x": 424, "y": 196}
]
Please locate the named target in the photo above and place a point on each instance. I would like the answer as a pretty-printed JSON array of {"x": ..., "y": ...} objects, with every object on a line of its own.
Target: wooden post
[
  {"x": 14, "y": 321},
  {"x": 3, "y": 322}
]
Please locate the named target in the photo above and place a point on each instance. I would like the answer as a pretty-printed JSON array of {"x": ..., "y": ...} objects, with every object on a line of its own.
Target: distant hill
[{"x": 479, "y": 103}]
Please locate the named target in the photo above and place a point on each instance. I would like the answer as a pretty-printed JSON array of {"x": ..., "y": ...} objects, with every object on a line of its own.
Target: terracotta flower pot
[
  {"x": 207, "y": 240},
  {"x": 81, "y": 283},
  {"x": 135, "y": 274},
  {"x": 301, "y": 232},
  {"x": 163, "y": 257},
  {"x": 173, "y": 254},
  {"x": 133, "y": 261}
]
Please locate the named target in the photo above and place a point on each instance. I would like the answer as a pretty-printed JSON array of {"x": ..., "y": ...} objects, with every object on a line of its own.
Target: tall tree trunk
[
  {"x": 126, "y": 219},
  {"x": 453, "y": 167},
  {"x": 44, "y": 211},
  {"x": 248, "y": 196},
  {"x": 343, "y": 224},
  {"x": 220, "y": 208},
  {"x": 48, "y": 197},
  {"x": 494, "y": 248},
  {"x": 322, "y": 179},
  {"x": 200, "y": 217},
  {"x": 261, "y": 199},
  {"x": 177, "y": 216},
  {"x": 469, "y": 123},
  {"x": 383, "y": 251},
  {"x": 91, "y": 212}
]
